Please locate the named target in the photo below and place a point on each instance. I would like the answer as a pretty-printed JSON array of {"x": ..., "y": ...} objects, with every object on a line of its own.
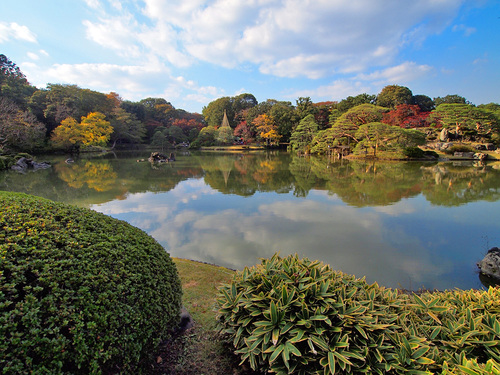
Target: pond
[{"x": 402, "y": 224}]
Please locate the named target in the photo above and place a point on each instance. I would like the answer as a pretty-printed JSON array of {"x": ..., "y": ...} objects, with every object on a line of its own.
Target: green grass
[
  {"x": 199, "y": 284},
  {"x": 201, "y": 349}
]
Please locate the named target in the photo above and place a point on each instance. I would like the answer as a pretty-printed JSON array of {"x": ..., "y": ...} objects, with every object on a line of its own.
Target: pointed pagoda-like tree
[{"x": 225, "y": 133}]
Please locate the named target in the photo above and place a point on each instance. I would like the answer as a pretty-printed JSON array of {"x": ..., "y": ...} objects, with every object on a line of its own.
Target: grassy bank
[{"x": 200, "y": 349}]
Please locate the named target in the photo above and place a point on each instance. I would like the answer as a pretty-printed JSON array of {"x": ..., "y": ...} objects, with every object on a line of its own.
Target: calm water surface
[{"x": 407, "y": 225}]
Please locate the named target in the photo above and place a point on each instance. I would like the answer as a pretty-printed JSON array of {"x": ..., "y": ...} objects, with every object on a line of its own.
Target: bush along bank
[
  {"x": 296, "y": 316},
  {"x": 80, "y": 292}
]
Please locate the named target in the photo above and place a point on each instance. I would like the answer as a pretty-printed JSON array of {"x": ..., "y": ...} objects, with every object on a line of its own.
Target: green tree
[
  {"x": 13, "y": 83},
  {"x": 243, "y": 102},
  {"x": 303, "y": 135},
  {"x": 224, "y": 135},
  {"x": 159, "y": 140},
  {"x": 393, "y": 95},
  {"x": 214, "y": 112},
  {"x": 305, "y": 107},
  {"x": 467, "y": 119},
  {"x": 323, "y": 141},
  {"x": 450, "y": 99},
  {"x": 134, "y": 108},
  {"x": 352, "y": 101},
  {"x": 206, "y": 137},
  {"x": 235, "y": 107},
  {"x": 348, "y": 123},
  {"x": 425, "y": 103},
  {"x": 158, "y": 110},
  {"x": 384, "y": 137},
  {"x": 126, "y": 127},
  {"x": 93, "y": 130},
  {"x": 176, "y": 135},
  {"x": 284, "y": 117}
]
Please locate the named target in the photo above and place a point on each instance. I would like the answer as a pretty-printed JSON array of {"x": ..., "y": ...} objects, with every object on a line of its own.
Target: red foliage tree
[
  {"x": 406, "y": 116},
  {"x": 187, "y": 124},
  {"x": 243, "y": 131}
]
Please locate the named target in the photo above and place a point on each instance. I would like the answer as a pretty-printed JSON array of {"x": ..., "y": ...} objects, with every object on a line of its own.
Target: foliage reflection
[{"x": 357, "y": 183}]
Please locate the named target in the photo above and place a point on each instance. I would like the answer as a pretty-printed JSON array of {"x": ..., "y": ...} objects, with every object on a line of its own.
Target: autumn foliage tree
[
  {"x": 406, "y": 116},
  {"x": 244, "y": 132},
  {"x": 19, "y": 130},
  {"x": 267, "y": 129},
  {"x": 93, "y": 130}
]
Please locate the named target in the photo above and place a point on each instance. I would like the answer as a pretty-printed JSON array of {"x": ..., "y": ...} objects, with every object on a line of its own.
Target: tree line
[{"x": 69, "y": 118}]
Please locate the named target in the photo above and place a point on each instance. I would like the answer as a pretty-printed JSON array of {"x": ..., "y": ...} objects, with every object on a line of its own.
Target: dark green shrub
[
  {"x": 413, "y": 152},
  {"x": 80, "y": 292},
  {"x": 431, "y": 154},
  {"x": 458, "y": 148},
  {"x": 6, "y": 162},
  {"x": 293, "y": 316}
]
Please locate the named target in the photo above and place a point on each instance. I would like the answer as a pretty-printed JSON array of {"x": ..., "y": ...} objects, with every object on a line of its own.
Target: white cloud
[
  {"x": 33, "y": 56},
  {"x": 117, "y": 33},
  {"x": 403, "y": 73},
  {"x": 337, "y": 90},
  {"x": 132, "y": 81},
  {"x": 468, "y": 31},
  {"x": 13, "y": 30},
  {"x": 94, "y": 4},
  {"x": 286, "y": 38}
]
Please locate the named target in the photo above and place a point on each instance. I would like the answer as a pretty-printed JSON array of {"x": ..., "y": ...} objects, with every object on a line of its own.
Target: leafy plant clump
[
  {"x": 80, "y": 292},
  {"x": 296, "y": 316}
]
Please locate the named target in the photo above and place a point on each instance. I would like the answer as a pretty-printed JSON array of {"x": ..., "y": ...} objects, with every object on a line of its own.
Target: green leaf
[
  {"x": 274, "y": 313},
  {"x": 420, "y": 352},
  {"x": 361, "y": 330},
  {"x": 343, "y": 360},
  {"x": 298, "y": 337},
  {"x": 425, "y": 361},
  {"x": 275, "y": 336},
  {"x": 292, "y": 349},
  {"x": 331, "y": 362},
  {"x": 435, "y": 332},
  {"x": 276, "y": 353},
  {"x": 433, "y": 316},
  {"x": 420, "y": 301},
  {"x": 319, "y": 342},
  {"x": 321, "y": 318},
  {"x": 468, "y": 370}
]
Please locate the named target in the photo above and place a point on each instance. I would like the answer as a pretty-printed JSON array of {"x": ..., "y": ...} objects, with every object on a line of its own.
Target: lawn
[{"x": 200, "y": 349}]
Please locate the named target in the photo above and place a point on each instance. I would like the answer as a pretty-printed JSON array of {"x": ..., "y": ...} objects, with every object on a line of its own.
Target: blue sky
[{"x": 191, "y": 52}]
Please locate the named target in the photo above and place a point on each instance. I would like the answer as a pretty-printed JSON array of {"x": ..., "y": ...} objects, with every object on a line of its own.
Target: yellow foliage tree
[
  {"x": 93, "y": 130},
  {"x": 267, "y": 129}
]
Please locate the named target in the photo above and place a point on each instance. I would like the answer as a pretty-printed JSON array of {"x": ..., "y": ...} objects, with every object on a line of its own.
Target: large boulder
[
  {"x": 490, "y": 265},
  {"x": 24, "y": 164}
]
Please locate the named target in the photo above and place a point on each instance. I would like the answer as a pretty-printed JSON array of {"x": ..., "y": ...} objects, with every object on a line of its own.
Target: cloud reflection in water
[{"x": 195, "y": 222}]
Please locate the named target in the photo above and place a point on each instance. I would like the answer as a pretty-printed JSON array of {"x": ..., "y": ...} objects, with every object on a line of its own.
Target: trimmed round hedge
[{"x": 80, "y": 292}]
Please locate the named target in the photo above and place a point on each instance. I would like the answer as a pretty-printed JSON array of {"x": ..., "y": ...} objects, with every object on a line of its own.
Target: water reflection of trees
[
  {"x": 357, "y": 183},
  {"x": 369, "y": 183},
  {"x": 99, "y": 175},
  {"x": 245, "y": 174},
  {"x": 452, "y": 184}
]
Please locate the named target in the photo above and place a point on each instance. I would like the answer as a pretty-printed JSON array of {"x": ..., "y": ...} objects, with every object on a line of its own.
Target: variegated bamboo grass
[{"x": 296, "y": 316}]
